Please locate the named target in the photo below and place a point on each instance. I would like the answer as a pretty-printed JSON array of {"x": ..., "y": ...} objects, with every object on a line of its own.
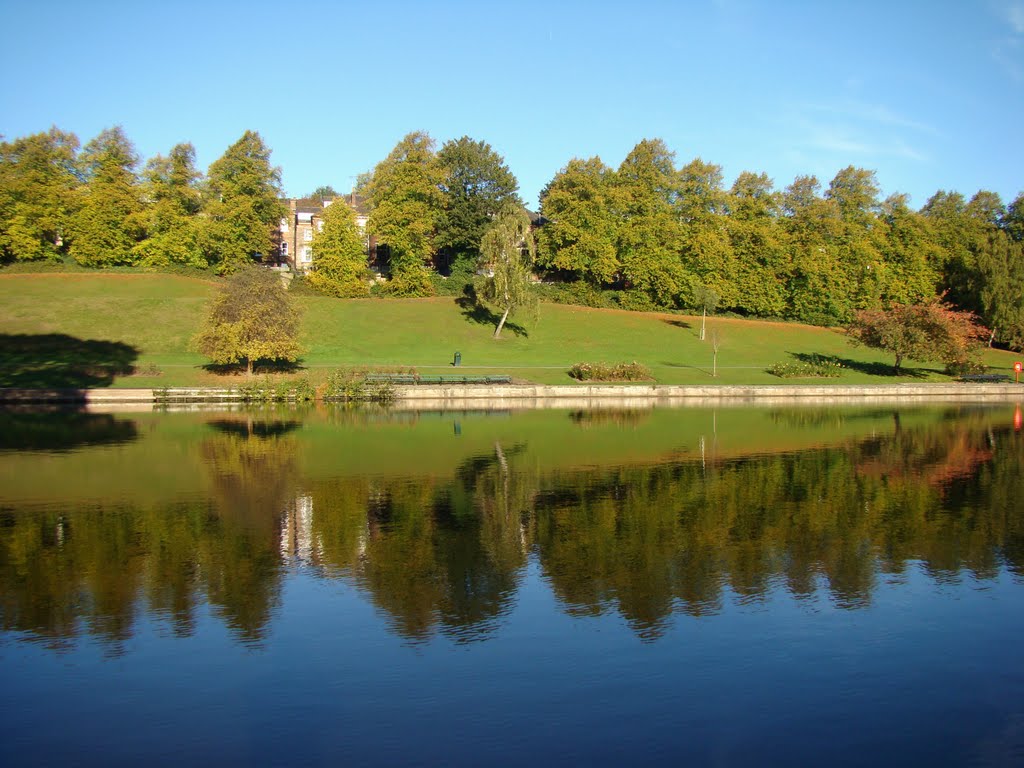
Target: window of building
[
  {"x": 284, "y": 225},
  {"x": 284, "y": 249},
  {"x": 307, "y": 235},
  {"x": 319, "y": 226},
  {"x": 307, "y": 253}
]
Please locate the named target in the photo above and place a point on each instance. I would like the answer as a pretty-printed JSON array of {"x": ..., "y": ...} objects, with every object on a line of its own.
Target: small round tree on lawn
[{"x": 251, "y": 318}]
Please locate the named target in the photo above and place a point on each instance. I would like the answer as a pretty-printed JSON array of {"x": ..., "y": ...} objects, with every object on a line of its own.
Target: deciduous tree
[
  {"x": 38, "y": 179},
  {"x": 508, "y": 252},
  {"x": 649, "y": 234},
  {"x": 339, "y": 254},
  {"x": 251, "y": 318},
  {"x": 109, "y": 221},
  {"x": 922, "y": 332},
  {"x": 476, "y": 186},
  {"x": 242, "y": 204},
  {"x": 580, "y": 234},
  {"x": 405, "y": 198},
  {"x": 172, "y": 223}
]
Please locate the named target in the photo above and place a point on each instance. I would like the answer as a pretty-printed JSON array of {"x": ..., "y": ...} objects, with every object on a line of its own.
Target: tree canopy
[
  {"x": 652, "y": 233},
  {"x": 922, "y": 332},
  {"x": 508, "y": 252},
  {"x": 39, "y": 178},
  {"x": 476, "y": 186},
  {"x": 339, "y": 254},
  {"x": 109, "y": 219},
  {"x": 251, "y": 318},
  {"x": 242, "y": 204},
  {"x": 405, "y": 196}
]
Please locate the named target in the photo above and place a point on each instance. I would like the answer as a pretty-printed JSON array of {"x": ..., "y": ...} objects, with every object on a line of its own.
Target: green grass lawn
[{"x": 154, "y": 316}]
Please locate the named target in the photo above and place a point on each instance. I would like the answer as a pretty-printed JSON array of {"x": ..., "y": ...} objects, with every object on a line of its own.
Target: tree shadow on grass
[
  {"x": 678, "y": 323},
  {"x": 259, "y": 368},
  {"x": 885, "y": 370},
  {"x": 476, "y": 312},
  {"x": 59, "y": 361}
]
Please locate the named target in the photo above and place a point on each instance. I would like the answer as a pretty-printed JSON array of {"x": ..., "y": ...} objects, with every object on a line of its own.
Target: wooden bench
[
  {"x": 445, "y": 378},
  {"x": 986, "y": 378}
]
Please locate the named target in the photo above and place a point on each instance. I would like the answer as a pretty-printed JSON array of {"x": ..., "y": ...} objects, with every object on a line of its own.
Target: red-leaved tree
[{"x": 923, "y": 332}]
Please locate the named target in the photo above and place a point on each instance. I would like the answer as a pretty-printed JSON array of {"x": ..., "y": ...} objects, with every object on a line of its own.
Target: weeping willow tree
[{"x": 507, "y": 252}]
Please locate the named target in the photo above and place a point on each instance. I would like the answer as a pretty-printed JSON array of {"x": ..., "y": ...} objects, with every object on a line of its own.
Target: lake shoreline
[{"x": 548, "y": 396}]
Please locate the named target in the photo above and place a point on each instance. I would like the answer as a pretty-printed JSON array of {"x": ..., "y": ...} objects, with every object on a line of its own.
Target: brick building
[{"x": 295, "y": 233}]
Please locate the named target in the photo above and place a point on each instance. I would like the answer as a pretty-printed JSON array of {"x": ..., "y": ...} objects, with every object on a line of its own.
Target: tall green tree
[
  {"x": 508, "y": 252},
  {"x": 476, "y": 186},
  {"x": 1001, "y": 274},
  {"x": 405, "y": 199},
  {"x": 339, "y": 254},
  {"x": 580, "y": 233},
  {"x": 38, "y": 181},
  {"x": 1013, "y": 221},
  {"x": 818, "y": 289},
  {"x": 706, "y": 250},
  {"x": 761, "y": 262},
  {"x": 109, "y": 221},
  {"x": 649, "y": 234},
  {"x": 956, "y": 235},
  {"x": 173, "y": 191},
  {"x": 250, "y": 319},
  {"x": 859, "y": 238},
  {"x": 911, "y": 254},
  {"x": 242, "y": 205}
]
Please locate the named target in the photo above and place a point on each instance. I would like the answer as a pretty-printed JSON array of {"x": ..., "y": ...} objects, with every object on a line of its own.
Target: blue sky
[{"x": 928, "y": 94}]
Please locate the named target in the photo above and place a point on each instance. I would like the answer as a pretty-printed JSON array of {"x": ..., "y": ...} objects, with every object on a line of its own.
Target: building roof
[{"x": 315, "y": 205}]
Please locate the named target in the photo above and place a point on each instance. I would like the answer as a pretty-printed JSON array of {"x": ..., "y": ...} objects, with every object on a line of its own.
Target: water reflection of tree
[
  {"x": 93, "y": 570},
  {"x": 432, "y": 554},
  {"x": 61, "y": 429},
  {"x": 252, "y": 466},
  {"x": 649, "y": 540},
  {"x": 446, "y": 554}
]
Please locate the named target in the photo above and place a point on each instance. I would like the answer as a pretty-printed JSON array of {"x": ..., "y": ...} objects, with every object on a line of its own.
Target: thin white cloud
[
  {"x": 1014, "y": 15},
  {"x": 870, "y": 113},
  {"x": 1007, "y": 51},
  {"x": 859, "y": 132},
  {"x": 841, "y": 141}
]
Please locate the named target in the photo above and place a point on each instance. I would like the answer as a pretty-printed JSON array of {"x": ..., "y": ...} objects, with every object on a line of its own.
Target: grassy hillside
[{"x": 151, "y": 318}]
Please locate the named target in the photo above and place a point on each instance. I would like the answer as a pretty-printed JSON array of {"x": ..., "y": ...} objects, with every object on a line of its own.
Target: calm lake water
[{"x": 745, "y": 586}]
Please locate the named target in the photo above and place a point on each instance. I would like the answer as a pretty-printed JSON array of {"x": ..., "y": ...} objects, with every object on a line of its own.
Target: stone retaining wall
[{"x": 572, "y": 396}]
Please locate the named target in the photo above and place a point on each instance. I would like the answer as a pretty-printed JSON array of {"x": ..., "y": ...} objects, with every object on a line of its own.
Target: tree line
[
  {"x": 95, "y": 206},
  {"x": 650, "y": 234}
]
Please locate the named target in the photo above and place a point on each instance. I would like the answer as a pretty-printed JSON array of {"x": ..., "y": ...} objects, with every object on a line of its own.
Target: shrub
[
  {"x": 267, "y": 391},
  {"x": 608, "y": 372},
  {"x": 578, "y": 293},
  {"x": 350, "y": 384},
  {"x": 462, "y": 274},
  {"x": 815, "y": 366}
]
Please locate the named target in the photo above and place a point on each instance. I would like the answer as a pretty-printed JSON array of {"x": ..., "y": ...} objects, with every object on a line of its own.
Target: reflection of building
[
  {"x": 297, "y": 540},
  {"x": 303, "y": 220}
]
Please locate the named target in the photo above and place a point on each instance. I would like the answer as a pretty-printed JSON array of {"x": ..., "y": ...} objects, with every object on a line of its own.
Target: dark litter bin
[{"x": 458, "y": 359}]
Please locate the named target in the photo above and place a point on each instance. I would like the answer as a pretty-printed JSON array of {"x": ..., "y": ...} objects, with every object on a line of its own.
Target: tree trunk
[
  {"x": 703, "y": 320},
  {"x": 248, "y": 366},
  {"x": 501, "y": 323},
  {"x": 896, "y": 367}
]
